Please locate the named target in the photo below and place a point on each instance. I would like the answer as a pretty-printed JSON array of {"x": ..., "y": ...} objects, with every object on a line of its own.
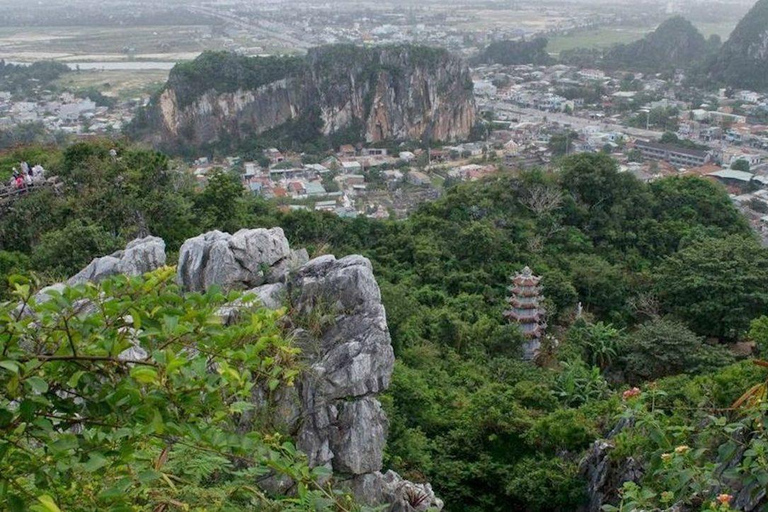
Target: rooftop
[{"x": 730, "y": 174}]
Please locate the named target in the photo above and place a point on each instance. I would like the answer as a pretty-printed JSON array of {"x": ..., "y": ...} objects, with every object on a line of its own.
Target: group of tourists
[{"x": 27, "y": 177}]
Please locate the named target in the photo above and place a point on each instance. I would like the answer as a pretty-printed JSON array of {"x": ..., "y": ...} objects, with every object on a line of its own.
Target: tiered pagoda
[{"x": 525, "y": 309}]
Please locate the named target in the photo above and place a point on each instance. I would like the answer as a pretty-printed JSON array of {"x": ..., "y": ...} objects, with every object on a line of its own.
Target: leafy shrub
[
  {"x": 563, "y": 429},
  {"x": 599, "y": 343},
  {"x": 666, "y": 347},
  {"x": 578, "y": 384},
  {"x": 544, "y": 484},
  {"x": 64, "y": 252},
  {"x": 108, "y": 401}
]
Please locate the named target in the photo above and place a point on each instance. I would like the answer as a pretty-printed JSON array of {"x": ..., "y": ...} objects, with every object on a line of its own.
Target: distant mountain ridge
[
  {"x": 675, "y": 44},
  {"x": 742, "y": 61}
]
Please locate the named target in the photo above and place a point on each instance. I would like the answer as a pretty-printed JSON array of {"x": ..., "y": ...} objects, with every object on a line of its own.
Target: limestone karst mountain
[
  {"x": 382, "y": 93},
  {"x": 675, "y": 44},
  {"x": 743, "y": 59}
]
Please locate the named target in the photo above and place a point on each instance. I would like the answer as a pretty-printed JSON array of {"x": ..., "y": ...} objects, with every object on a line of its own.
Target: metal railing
[{"x": 10, "y": 194}]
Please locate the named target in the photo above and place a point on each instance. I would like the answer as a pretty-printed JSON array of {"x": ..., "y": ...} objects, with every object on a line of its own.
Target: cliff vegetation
[
  {"x": 227, "y": 72},
  {"x": 87, "y": 427}
]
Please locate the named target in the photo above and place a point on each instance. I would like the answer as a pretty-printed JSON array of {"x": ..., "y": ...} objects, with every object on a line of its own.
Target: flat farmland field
[
  {"x": 602, "y": 37},
  {"x": 122, "y": 84},
  {"x": 104, "y": 43}
]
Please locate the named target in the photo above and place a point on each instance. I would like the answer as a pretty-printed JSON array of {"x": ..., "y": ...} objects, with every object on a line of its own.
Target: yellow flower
[
  {"x": 682, "y": 449},
  {"x": 666, "y": 457}
]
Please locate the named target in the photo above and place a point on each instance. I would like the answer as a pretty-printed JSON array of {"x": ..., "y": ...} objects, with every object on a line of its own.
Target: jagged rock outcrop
[
  {"x": 381, "y": 93},
  {"x": 139, "y": 256},
  {"x": 340, "y": 324},
  {"x": 402, "y": 495},
  {"x": 605, "y": 475},
  {"x": 238, "y": 261}
]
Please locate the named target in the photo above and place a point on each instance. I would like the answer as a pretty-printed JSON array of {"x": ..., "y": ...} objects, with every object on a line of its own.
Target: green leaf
[
  {"x": 37, "y": 384},
  {"x": 148, "y": 476},
  {"x": 157, "y": 422},
  {"x": 144, "y": 375},
  {"x": 117, "y": 490},
  {"x": 321, "y": 471},
  {"x": 95, "y": 462},
  {"x": 273, "y": 383},
  {"x": 241, "y": 407},
  {"x": 75, "y": 378},
  {"x": 48, "y": 503},
  {"x": 64, "y": 443},
  {"x": 136, "y": 318},
  {"x": 11, "y": 366}
]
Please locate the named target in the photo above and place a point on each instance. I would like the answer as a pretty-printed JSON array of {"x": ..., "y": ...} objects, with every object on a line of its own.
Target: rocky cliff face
[
  {"x": 337, "y": 319},
  {"x": 398, "y": 93},
  {"x": 743, "y": 59}
]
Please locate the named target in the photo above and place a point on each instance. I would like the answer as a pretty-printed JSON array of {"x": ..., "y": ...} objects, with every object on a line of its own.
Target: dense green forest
[
  {"x": 668, "y": 274},
  {"x": 510, "y": 53},
  {"x": 227, "y": 72}
]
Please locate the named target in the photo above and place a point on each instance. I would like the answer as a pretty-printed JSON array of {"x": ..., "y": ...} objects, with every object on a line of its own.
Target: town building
[{"x": 677, "y": 156}]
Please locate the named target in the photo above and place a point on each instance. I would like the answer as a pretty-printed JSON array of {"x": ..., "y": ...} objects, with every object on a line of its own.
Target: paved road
[
  {"x": 533, "y": 115},
  {"x": 266, "y": 29}
]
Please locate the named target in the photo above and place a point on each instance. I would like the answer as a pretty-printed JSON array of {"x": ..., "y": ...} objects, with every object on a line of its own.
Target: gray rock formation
[
  {"x": 605, "y": 477},
  {"x": 139, "y": 256},
  {"x": 238, "y": 261},
  {"x": 340, "y": 324},
  {"x": 402, "y": 495}
]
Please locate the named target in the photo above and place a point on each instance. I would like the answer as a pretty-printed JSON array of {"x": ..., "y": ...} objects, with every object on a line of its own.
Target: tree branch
[{"x": 107, "y": 359}]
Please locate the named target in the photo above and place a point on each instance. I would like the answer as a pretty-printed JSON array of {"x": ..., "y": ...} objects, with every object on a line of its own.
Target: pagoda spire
[{"x": 526, "y": 310}]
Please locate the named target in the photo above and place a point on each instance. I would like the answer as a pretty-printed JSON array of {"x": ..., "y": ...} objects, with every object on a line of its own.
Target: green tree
[
  {"x": 221, "y": 204},
  {"x": 718, "y": 285},
  {"x": 758, "y": 333},
  {"x": 665, "y": 347},
  {"x": 740, "y": 165},
  {"x": 562, "y": 143},
  {"x": 64, "y": 252}
]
